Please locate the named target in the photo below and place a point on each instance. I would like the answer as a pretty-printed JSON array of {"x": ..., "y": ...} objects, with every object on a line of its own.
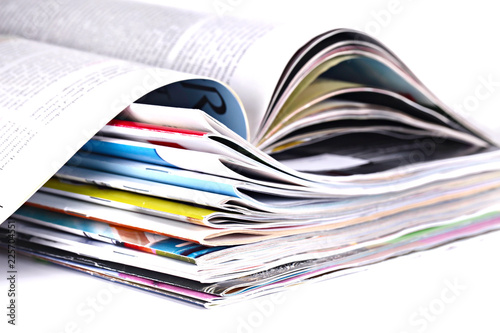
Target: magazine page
[
  {"x": 226, "y": 49},
  {"x": 55, "y": 99}
]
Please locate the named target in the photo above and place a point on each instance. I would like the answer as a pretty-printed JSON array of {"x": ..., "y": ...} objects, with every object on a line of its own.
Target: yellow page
[{"x": 133, "y": 201}]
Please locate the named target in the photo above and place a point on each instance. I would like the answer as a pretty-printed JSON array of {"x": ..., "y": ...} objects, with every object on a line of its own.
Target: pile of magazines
[
  {"x": 211, "y": 220},
  {"x": 348, "y": 160}
]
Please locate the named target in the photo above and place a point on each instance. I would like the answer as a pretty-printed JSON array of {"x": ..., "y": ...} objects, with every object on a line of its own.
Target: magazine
[
  {"x": 297, "y": 99},
  {"x": 171, "y": 150}
]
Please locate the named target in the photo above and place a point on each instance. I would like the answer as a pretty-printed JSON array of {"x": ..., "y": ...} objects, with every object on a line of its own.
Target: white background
[{"x": 453, "y": 48}]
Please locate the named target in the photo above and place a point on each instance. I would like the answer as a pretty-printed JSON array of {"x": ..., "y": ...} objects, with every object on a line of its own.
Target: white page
[{"x": 245, "y": 55}]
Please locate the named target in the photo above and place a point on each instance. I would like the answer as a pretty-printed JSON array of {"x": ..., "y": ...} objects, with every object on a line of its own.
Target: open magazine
[{"x": 220, "y": 169}]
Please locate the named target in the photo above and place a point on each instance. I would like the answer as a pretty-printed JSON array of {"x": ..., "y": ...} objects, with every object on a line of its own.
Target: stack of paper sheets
[
  {"x": 211, "y": 219},
  {"x": 280, "y": 158}
]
